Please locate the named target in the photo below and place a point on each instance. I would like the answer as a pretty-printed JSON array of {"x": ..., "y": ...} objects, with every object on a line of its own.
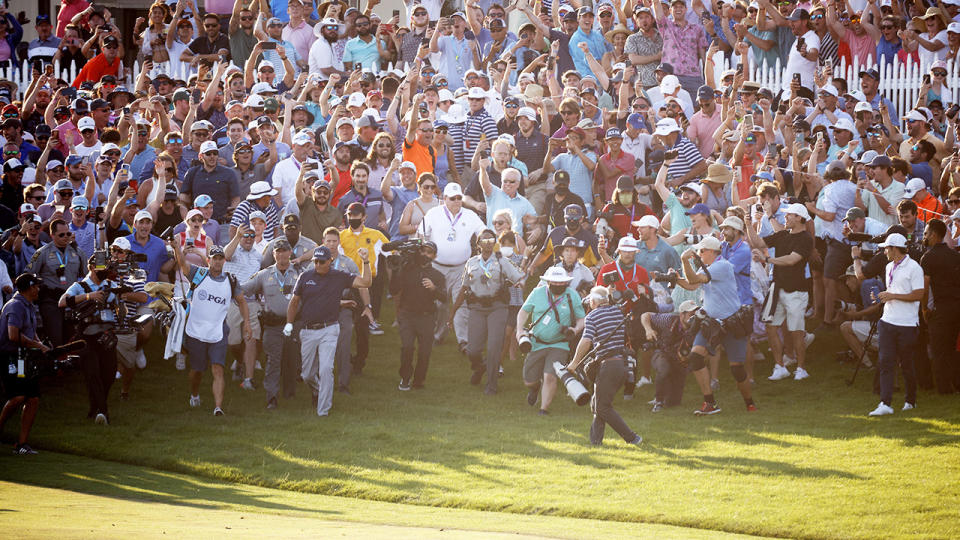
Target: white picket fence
[{"x": 899, "y": 82}]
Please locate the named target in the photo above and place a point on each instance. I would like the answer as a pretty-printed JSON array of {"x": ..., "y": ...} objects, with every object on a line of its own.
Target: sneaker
[
  {"x": 375, "y": 329},
  {"x": 117, "y": 376},
  {"x": 500, "y": 373},
  {"x": 24, "y": 450},
  {"x": 272, "y": 404},
  {"x": 643, "y": 382},
  {"x": 638, "y": 441},
  {"x": 657, "y": 407},
  {"x": 707, "y": 409},
  {"x": 752, "y": 407},
  {"x": 652, "y": 401},
  {"x": 181, "y": 362},
  {"x": 217, "y": 411},
  {"x": 779, "y": 373},
  {"x": 800, "y": 374},
  {"x": 532, "y": 394},
  {"x": 882, "y": 410},
  {"x": 715, "y": 384},
  {"x": 101, "y": 419},
  {"x": 789, "y": 361},
  {"x": 141, "y": 360},
  {"x": 194, "y": 401},
  {"x": 907, "y": 406},
  {"x": 543, "y": 412},
  {"x": 404, "y": 386},
  {"x": 258, "y": 366},
  {"x": 247, "y": 384},
  {"x": 808, "y": 339}
]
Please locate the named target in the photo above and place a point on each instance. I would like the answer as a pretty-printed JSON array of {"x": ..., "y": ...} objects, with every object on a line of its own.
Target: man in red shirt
[
  {"x": 614, "y": 164},
  {"x": 340, "y": 165},
  {"x": 105, "y": 63},
  {"x": 626, "y": 273}
]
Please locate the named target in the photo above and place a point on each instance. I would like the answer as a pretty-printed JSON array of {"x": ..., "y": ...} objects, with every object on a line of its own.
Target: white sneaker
[
  {"x": 789, "y": 361},
  {"x": 194, "y": 401},
  {"x": 779, "y": 373},
  {"x": 882, "y": 410},
  {"x": 217, "y": 411},
  {"x": 181, "y": 362},
  {"x": 800, "y": 374},
  {"x": 652, "y": 401},
  {"x": 101, "y": 419},
  {"x": 141, "y": 360},
  {"x": 907, "y": 406},
  {"x": 258, "y": 367},
  {"x": 643, "y": 382},
  {"x": 117, "y": 376},
  {"x": 808, "y": 339}
]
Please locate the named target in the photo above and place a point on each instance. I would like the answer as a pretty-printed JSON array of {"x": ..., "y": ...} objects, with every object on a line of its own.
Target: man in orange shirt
[
  {"x": 928, "y": 206},
  {"x": 340, "y": 166},
  {"x": 416, "y": 145},
  {"x": 105, "y": 63}
]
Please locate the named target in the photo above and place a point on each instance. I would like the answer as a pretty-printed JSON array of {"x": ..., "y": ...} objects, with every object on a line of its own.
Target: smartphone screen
[
  {"x": 396, "y": 13},
  {"x": 269, "y": 45}
]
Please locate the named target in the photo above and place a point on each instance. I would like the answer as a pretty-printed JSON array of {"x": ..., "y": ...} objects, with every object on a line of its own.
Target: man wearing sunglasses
[
  {"x": 106, "y": 63},
  {"x": 13, "y": 133},
  {"x": 208, "y": 47},
  {"x": 323, "y": 59},
  {"x": 240, "y": 31},
  {"x": 211, "y": 178},
  {"x": 58, "y": 265}
]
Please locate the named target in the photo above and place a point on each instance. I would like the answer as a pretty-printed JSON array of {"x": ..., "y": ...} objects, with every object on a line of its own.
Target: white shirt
[
  {"x": 175, "y": 68},
  {"x": 208, "y": 309},
  {"x": 927, "y": 56},
  {"x": 902, "y": 278},
  {"x": 285, "y": 175},
  {"x": 451, "y": 233},
  {"x": 796, "y": 63},
  {"x": 84, "y": 151},
  {"x": 322, "y": 56}
]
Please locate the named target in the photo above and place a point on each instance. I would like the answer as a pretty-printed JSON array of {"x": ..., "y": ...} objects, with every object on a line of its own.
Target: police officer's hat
[
  {"x": 573, "y": 211},
  {"x": 570, "y": 242}
]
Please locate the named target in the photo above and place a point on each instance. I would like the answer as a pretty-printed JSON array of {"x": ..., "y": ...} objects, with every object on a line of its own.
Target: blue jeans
[{"x": 897, "y": 345}]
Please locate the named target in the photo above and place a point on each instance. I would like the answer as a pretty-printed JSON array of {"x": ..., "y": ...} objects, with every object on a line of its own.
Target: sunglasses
[
  {"x": 886, "y": 27},
  {"x": 428, "y": 186},
  {"x": 332, "y": 27},
  {"x": 36, "y": 198},
  {"x": 939, "y": 73},
  {"x": 211, "y": 26},
  {"x": 429, "y": 130},
  {"x": 212, "y": 153},
  {"x": 245, "y": 151},
  {"x": 266, "y": 70},
  {"x": 246, "y": 18},
  {"x": 456, "y": 198},
  {"x": 64, "y": 234},
  {"x": 440, "y": 130},
  {"x": 142, "y": 133},
  {"x": 420, "y": 14},
  {"x": 605, "y": 15},
  {"x": 569, "y": 113},
  {"x": 249, "y": 235},
  {"x": 816, "y": 17},
  {"x": 11, "y": 152},
  {"x": 196, "y": 220},
  {"x": 512, "y": 106},
  {"x": 175, "y": 140},
  {"x": 66, "y": 194},
  {"x": 442, "y": 84},
  {"x": 112, "y": 47}
]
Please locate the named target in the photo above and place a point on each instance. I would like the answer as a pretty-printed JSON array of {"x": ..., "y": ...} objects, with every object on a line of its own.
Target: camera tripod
[{"x": 863, "y": 351}]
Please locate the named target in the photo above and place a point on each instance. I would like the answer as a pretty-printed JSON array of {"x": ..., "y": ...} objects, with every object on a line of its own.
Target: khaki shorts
[
  {"x": 861, "y": 329},
  {"x": 235, "y": 322},
  {"x": 127, "y": 352},
  {"x": 541, "y": 362},
  {"x": 792, "y": 309}
]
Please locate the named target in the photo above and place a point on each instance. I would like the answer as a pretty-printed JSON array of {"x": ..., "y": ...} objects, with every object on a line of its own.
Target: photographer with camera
[
  {"x": 19, "y": 318},
  {"x": 130, "y": 354},
  {"x": 417, "y": 287},
  {"x": 603, "y": 329},
  {"x": 673, "y": 334},
  {"x": 274, "y": 287},
  {"x": 484, "y": 288},
  {"x": 557, "y": 313},
  {"x": 57, "y": 264},
  {"x": 787, "y": 301},
  {"x": 941, "y": 267},
  {"x": 97, "y": 312},
  {"x": 721, "y": 304}
]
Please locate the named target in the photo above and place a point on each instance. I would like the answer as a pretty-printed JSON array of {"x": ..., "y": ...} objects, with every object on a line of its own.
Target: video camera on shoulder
[
  {"x": 404, "y": 252},
  {"x": 617, "y": 297}
]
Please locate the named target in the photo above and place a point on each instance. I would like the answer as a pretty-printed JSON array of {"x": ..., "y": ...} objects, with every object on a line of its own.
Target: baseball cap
[
  {"x": 561, "y": 177},
  {"x": 648, "y": 220},
  {"x": 27, "y": 208},
  {"x": 408, "y": 165},
  {"x": 666, "y": 126},
  {"x": 25, "y": 281},
  {"x": 122, "y": 243},
  {"x": 171, "y": 194},
  {"x": 356, "y": 208},
  {"x": 86, "y": 123},
  {"x": 799, "y": 14},
  {"x": 798, "y": 210},
  {"x": 627, "y": 243},
  {"x": 216, "y": 251},
  {"x": 281, "y": 244},
  {"x": 688, "y": 305},
  {"x": 572, "y": 212},
  {"x": 322, "y": 253},
  {"x": 698, "y": 208},
  {"x": 705, "y": 92},
  {"x": 613, "y": 133},
  {"x": 914, "y": 186},
  {"x": 452, "y": 189},
  {"x": 202, "y": 200},
  {"x": 142, "y": 214},
  {"x": 708, "y": 242},
  {"x": 894, "y": 240},
  {"x": 322, "y": 184},
  {"x": 208, "y": 146},
  {"x": 734, "y": 223},
  {"x": 15, "y": 164},
  {"x": 79, "y": 202},
  {"x": 556, "y": 274},
  {"x": 291, "y": 220},
  {"x": 62, "y": 185},
  {"x": 881, "y": 161},
  {"x": 853, "y": 213},
  {"x": 635, "y": 120}
]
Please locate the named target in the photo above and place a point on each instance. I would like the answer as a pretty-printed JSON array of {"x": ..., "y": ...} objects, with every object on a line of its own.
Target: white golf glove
[{"x": 288, "y": 329}]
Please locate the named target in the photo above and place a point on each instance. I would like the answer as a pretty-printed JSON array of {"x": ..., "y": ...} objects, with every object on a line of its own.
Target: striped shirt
[
  {"x": 241, "y": 216},
  {"x": 478, "y": 124},
  {"x": 688, "y": 158},
  {"x": 601, "y": 324},
  {"x": 132, "y": 307},
  {"x": 243, "y": 265}
]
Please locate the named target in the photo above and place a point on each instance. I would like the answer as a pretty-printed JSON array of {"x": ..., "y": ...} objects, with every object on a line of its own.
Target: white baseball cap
[
  {"x": 798, "y": 210},
  {"x": 208, "y": 146},
  {"x": 914, "y": 186},
  {"x": 734, "y": 223},
  {"x": 627, "y": 243},
  {"x": 845, "y": 124},
  {"x": 648, "y": 220},
  {"x": 556, "y": 274},
  {"x": 528, "y": 112},
  {"x": 142, "y": 214},
  {"x": 894, "y": 240},
  {"x": 121, "y": 242},
  {"x": 356, "y": 99},
  {"x": 410, "y": 165},
  {"x": 708, "y": 242},
  {"x": 86, "y": 123},
  {"x": 452, "y": 189},
  {"x": 666, "y": 126}
]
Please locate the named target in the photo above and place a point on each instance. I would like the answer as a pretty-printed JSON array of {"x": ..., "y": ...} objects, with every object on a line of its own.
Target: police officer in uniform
[
  {"x": 318, "y": 291},
  {"x": 58, "y": 264},
  {"x": 18, "y": 329},
  {"x": 99, "y": 356},
  {"x": 274, "y": 287},
  {"x": 484, "y": 288}
]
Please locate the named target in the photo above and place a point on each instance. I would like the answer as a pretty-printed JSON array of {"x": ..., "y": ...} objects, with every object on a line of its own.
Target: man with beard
[
  {"x": 645, "y": 47},
  {"x": 323, "y": 59},
  {"x": 240, "y": 30},
  {"x": 919, "y": 130},
  {"x": 361, "y": 50},
  {"x": 106, "y": 63},
  {"x": 676, "y": 218},
  {"x": 342, "y": 160},
  {"x": 287, "y": 171},
  {"x": 941, "y": 266},
  {"x": 213, "y": 179},
  {"x": 208, "y": 47},
  {"x": 417, "y": 143},
  {"x": 572, "y": 227},
  {"x": 301, "y": 246},
  {"x": 58, "y": 264},
  {"x": 316, "y": 211},
  {"x": 704, "y": 122}
]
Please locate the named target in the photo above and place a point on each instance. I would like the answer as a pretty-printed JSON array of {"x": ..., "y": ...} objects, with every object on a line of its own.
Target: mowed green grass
[
  {"x": 56, "y": 495},
  {"x": 809, "y": 464}
]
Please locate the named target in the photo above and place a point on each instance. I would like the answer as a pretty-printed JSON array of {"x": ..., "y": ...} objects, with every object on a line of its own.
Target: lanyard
[
  {"x": 64, "y": 259},
  {"x": 336, "y": 263},
  {"x": 890, "y": 275},
  {"x": 281, "y": 282},
  {"x": 633, "y": 274},
  {"x": 485, "y": 265},
  {"x": 453, "y": 222}
]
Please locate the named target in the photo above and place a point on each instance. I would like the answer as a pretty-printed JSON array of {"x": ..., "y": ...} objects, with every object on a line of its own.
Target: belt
[
  {"x": 447, "y": 265},
  {"x": 319, "y": 326}
]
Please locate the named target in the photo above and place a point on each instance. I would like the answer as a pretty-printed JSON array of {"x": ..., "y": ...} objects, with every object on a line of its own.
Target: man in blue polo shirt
[
  {"x": 498, "y": 198},
  {"x": 141, "y": 241}
]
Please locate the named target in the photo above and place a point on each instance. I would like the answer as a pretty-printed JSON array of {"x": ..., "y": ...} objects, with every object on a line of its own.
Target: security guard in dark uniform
[
  {"x": 18, "y": 330},
  {"x": 58, "y": 264}
]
